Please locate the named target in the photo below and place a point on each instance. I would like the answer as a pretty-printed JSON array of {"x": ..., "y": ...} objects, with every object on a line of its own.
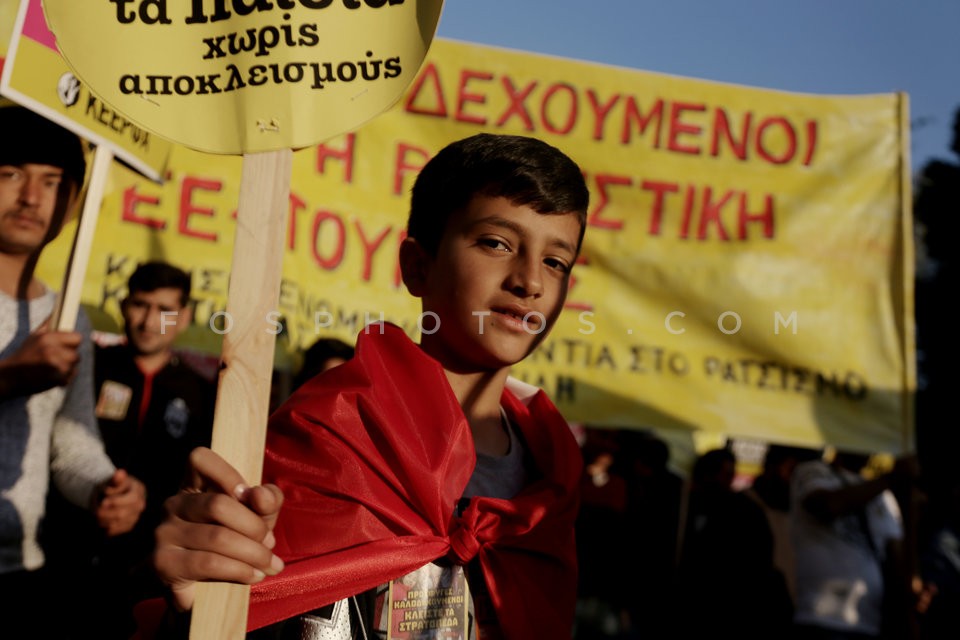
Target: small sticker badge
[{"x": 114, "y": 400}]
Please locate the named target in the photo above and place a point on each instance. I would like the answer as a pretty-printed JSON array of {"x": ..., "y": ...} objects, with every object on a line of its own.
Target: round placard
[{"x": 243, "y": 76}]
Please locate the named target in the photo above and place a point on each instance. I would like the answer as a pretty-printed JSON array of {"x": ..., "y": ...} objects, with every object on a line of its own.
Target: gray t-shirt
[{"x": 499, "y": 476}]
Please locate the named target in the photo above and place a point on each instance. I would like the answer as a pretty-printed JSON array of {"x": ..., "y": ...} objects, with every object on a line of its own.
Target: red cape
[{"x": 373, "y": 456}]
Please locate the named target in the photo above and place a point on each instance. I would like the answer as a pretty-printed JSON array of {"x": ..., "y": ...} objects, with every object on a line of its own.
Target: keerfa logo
[{"x": 68, "y": 89}]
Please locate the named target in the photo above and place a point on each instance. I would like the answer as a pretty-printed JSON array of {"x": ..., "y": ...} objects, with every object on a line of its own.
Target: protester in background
[
  {"x": 848, "y": 533},
  {"x": 47, "y": 427},
  {"x": 649, "y": 558},
  {"x": 728, "y": 584},
  {"x": 153, "y": 409},
  {"x": 771, "y": 490},
  {"x": 603, "y": 540}
]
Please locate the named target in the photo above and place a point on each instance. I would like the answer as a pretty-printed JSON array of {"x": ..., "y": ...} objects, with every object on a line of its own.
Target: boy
[{"x": 411, "y": 454}]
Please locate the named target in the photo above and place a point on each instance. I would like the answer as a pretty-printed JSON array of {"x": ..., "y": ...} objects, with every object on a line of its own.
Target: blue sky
[{"x": 808, "y": 46}]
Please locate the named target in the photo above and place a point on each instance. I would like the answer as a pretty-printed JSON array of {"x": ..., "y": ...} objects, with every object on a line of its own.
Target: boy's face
[
  {"x": 28, "y": 199},
  {"x": 153, "y": 319},
  {"x": 496, "y": 285}
]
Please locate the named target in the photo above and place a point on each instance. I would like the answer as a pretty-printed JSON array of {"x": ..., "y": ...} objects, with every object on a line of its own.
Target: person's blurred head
[
  {"x": 645, "y": 454},
  {"x": 600, "y": 452},
  {"x": 42, "y": 167},
  {"x": 851, "y": 460},
  {"x": 29, "y": 138},
  {"x": 323, "y": 355},
  {"x": 714, "y": 470},
  {"x": 780, "y": 460},
  {"x": 155, "y": 310}
]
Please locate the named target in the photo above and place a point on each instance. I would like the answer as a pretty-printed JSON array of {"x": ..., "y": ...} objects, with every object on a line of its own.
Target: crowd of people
[
  {"x": 389, "y": 459},
  {"x": 819, "y": 544}
]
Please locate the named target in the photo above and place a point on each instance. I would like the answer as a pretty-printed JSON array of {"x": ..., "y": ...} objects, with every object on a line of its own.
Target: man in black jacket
[{"x": 153, "y": 409}]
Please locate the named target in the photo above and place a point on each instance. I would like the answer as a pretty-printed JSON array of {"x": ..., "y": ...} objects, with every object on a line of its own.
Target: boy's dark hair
[
  {"x": 525, "y": 170},
  {"x": 29, "y": 138},
  {"x": 151, "y": 276}
]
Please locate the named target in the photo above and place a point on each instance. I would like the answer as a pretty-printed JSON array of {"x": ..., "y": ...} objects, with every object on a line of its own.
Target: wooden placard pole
[
  {"x": 64, "y": 316},
  {"x": 243, "y": 391}
]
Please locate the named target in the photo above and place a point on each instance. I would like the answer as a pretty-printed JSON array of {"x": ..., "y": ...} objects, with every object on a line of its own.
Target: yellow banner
[
  {"x": 242, "y": 77},
  {"x": 747, "y": 268},
  {"x": 36, "y": 76}
]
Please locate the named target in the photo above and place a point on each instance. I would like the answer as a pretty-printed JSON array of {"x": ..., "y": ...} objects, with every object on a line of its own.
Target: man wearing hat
[{"x": 47, "y": 425}]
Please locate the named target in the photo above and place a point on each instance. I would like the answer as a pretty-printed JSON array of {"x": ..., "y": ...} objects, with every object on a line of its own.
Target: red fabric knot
[{"x": 463, "y": 544}]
